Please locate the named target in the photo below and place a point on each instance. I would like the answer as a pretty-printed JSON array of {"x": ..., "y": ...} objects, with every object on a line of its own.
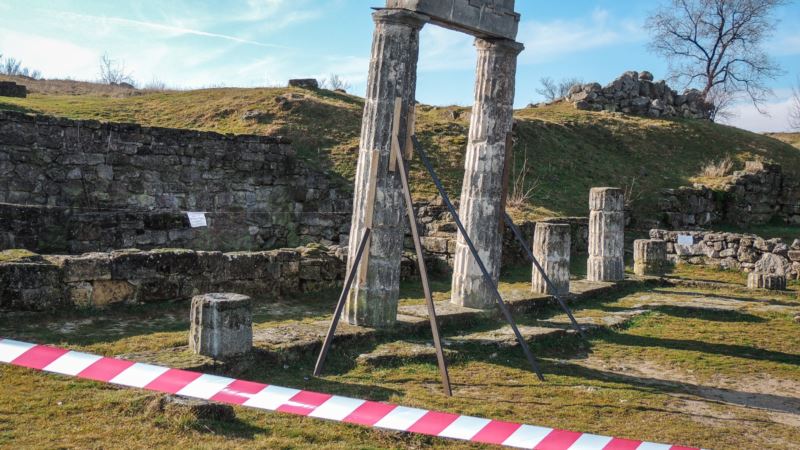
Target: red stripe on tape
[
  {"x": 496, "y": 432},
  {"x": 39, "y": 357},
  {"x": 433, "y": 423},
  {"x": 622, "y": 444},
  {"x": 369, "y": 413},
  {"x": 172, "y": 381},
  {"x": 238, "y": 392},
  {"x": 105, "y": 369},
  {"x": 558, "y": 440},
  {"x": 304, "y": 402}
]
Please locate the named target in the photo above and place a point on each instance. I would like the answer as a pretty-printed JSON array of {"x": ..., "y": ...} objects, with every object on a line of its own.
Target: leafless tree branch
[{"x": 794, "y": 113}]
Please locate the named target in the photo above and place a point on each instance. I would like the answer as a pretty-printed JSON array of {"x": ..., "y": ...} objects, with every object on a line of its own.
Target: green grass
[{"x": 568, "y": 151}]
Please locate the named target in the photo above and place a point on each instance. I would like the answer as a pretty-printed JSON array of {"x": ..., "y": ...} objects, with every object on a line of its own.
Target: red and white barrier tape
[{"x": 306, "y": 403}]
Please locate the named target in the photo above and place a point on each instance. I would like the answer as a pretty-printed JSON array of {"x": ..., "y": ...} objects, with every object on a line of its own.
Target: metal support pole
[
  {"x": 340, "y": 305},
  {"x": 521, "y": 240},
  {"x": 423, "y": 273},
  {"x": 488, "y": 278}
]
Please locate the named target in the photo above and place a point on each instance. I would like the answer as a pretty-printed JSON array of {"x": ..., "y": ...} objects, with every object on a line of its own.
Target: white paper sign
[
  {"x": 197, "y": 219},
  {"x": 685, "y": 239}
]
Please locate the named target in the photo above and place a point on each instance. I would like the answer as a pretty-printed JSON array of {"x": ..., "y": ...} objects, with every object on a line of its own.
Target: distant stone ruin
[
  {"x": 11, "y": 89},
  {"x": 637, "y": 93}
]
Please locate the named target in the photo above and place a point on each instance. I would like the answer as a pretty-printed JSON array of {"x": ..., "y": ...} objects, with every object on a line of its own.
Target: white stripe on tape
[
  {"x": 590, "y": 442},
  {"x": 465, "y": 427},
  {"x": 11, "y": 350},
  {"x": 336, "y": 408},
  {"x": 652, "y": 446},
  {"x": 401, "y": 418},
  {"x": 139, "y": 375},
  {"x": 271, "y": 397},
  {"x": 72, "y": 363},
  {"x": 527, "y": 436},
  {"x": 205, "y": 386}
]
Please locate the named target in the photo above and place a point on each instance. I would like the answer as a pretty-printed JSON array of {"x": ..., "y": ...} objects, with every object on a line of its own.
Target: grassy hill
[{"x": 559, "y": 153}]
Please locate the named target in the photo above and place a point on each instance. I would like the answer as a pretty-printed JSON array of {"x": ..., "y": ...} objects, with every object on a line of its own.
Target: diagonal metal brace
[
  {"x": 488, "y": 278},
  {"x": 550, "y": 285}
]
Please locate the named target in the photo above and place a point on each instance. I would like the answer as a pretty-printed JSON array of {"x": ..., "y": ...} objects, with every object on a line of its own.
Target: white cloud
[
  {"x": 553, "y": 40},
  {"x": 748, "y": 117},
  {"x": 443, "y": 49},
  {"x": 54, "y": 58}
]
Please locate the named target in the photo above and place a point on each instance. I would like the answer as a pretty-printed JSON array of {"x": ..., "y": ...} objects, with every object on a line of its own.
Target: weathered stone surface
[
  {"x": 551, "y": 247},
  {"x": 481, "y": 205},
  {"x": 12, "y": 89},
  {"x": 634, "y": 93},
  {"x": 393, "y": 73},
  {"x": 221, "y": 325},
  {"x": 482, "y": 18},
  {"x": 181, "y": 406},
  {"x": 304, "y": 83},
  {"x": 606, "y": 235},
  {"x": 649, "y": 257}
]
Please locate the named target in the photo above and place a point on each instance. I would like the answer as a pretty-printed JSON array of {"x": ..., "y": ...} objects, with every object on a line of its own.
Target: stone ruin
[
  {"x": 636, "y": 93},
  {"x": 378, "y": 201},
  {"x": 11, "y": 89}
]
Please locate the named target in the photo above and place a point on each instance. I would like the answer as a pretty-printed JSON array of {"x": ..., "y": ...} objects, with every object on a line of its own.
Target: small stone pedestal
[
  {"x": 221, "y": 325},
  {"x": 551, "y": 246},
  {"x": 649, "y": 257},
  {"x": 769, "y": 273}
]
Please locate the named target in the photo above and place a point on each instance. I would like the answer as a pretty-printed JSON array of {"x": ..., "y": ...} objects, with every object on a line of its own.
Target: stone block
[
  {"x": 606, "y": 235},
  {"x": 551, "y": 247},
  {"x": 481, "y": 18},
  {"x": 221, "y": 325},
  {"x": 771, "y": 281},
  {"x": 649, "y": 257}
]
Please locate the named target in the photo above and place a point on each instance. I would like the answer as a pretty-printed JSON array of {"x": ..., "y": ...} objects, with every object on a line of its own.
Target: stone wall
[
  {"x": 129, "y": 185},
  {"x": 729, "y": 250},
  {"x": 133, "y": 276},
  {"x": 637, "y": 93},
  {"x": 754, "y": 196},
  {"x": 11, "y": 89}
]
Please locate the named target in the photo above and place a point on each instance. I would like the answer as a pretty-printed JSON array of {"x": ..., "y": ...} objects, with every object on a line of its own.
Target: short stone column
[
  {"x": 378, "y": 201},
  {"x": 221, "y": 325},
  {"x": 551, "y": 247},
  {"x": 649, "y": 257},
  {"x": 482, "y": 190},
  {"x": 769, "y": 273},
  {"x": 606, "y": 235}
]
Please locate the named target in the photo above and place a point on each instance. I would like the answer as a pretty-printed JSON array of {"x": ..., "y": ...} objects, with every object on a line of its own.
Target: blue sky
[{"x": 265, "y": 42}]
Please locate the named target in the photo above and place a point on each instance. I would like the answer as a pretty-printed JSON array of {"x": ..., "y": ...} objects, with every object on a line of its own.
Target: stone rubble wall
[
  {"x": 637, "y": 93},
  {"x": 134, "y": 182},
  {"x": 133, "y": 276},
  {"x": 754, "y": 196},
  {"x": 729, "y": 250}
]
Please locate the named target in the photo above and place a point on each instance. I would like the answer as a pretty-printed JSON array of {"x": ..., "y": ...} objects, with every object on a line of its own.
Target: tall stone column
[
  {"x": 551, "y": 243},
  {"x": 606, "y": 235},
  {"x": 482, "y": 190},
  {"x": 378, "y": 201}
]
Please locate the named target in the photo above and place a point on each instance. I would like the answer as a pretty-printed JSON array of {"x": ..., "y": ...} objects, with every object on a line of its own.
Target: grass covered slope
[{"x": 564, "y": 151}]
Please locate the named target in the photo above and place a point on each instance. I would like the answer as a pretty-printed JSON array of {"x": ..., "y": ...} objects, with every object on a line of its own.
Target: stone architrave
[
  {"x": 482, "y": 190},
  {"x": 221, "y": 325},
  {"x": 649, "y": 257},
  {"x": 606, "y": 235},
  {"x": 769, "y": 273},
  {"x": 378, "y": 199},
  {"x": 551, "y": 247}
]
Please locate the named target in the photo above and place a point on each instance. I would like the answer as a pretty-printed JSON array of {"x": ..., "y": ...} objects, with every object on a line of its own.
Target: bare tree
[
  {"x": 113, "y": 71},
  {"x": 717, "y": 45},
  {"x": 335, "y": 82},
  {"x": 552, "y": 90},
  {"x": 794, "y": 113},
  {"x": 13, "y": 67}
]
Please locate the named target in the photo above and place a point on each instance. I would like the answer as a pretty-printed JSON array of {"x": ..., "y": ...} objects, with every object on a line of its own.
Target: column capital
[
  {"x": 499, "y": 45},
  {"x": 400, "y": 17}
]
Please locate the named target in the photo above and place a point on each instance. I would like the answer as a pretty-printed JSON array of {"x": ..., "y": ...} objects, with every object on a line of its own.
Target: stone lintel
[{"x": 480, "y": 18}]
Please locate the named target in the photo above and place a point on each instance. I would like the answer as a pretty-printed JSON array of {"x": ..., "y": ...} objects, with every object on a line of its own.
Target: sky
[{"x": 191, "y": 44}]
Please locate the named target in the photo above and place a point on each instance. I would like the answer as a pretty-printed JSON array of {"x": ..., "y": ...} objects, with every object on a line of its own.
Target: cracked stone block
[{"x": 221, "y": 325}]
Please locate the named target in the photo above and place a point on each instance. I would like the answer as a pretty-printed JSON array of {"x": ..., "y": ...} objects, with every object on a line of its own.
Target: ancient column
[
  {"x": 769, "y": 273},
  {"x": 551, "y": 246},
  {"x": 606, "y": 235},
  {"x": 649, "y": 257},
  {"x": 482, "y": 190},
  {"x": 378, "y": 201}
]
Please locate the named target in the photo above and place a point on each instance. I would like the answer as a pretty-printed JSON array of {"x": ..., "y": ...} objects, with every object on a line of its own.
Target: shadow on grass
[
  {"x": 16, "y": 108},
  {"x": 703, "y": 313},
  {"x": 744, "y": 298}
]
